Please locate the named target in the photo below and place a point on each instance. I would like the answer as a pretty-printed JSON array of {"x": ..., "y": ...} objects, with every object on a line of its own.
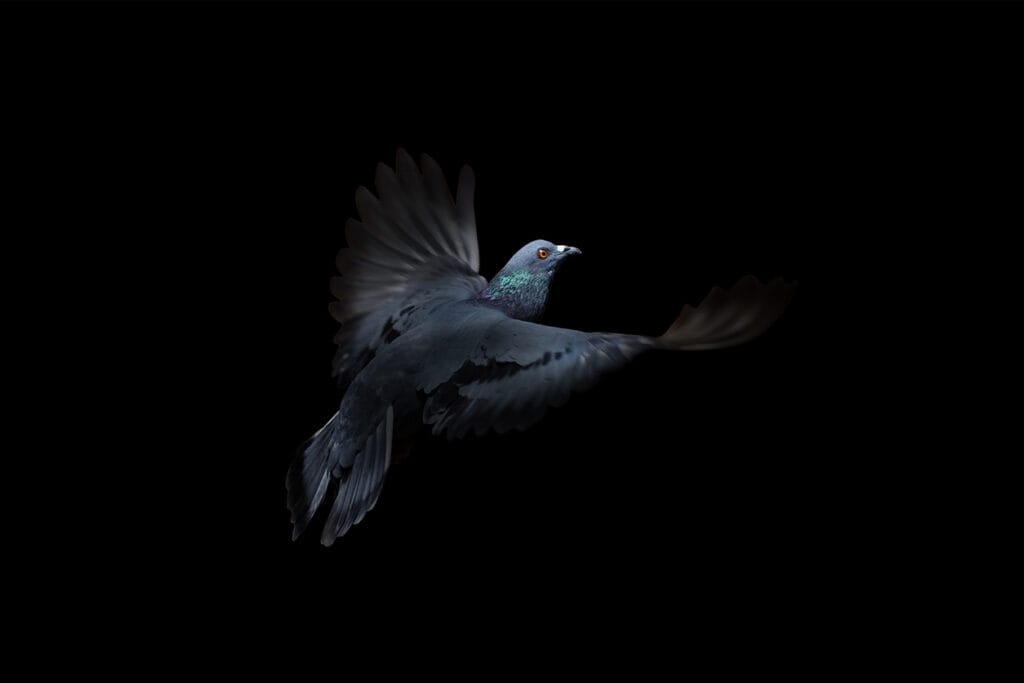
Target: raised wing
[
  {"x": 413, "y": 245},
  {"x": 516, "y": 370}
]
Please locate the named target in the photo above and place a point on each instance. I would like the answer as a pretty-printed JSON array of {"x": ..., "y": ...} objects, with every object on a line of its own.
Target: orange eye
[{"x": 542, "y": 253}]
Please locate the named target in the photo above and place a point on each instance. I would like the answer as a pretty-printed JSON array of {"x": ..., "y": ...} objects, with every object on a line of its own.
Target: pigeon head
[
  {"x": 540, "y": 257},
  {"x": 520, "y": 289}
]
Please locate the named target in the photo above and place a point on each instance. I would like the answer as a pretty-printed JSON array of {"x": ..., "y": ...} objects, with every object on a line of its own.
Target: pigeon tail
[
  {"x": 358, "y": 458},
  {"x": 310, "y": 473}
]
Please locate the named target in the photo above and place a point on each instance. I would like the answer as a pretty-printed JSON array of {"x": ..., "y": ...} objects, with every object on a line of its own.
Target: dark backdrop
[
  {"x": 213, "y": 156},
  {"x": 672, "y": 170}
]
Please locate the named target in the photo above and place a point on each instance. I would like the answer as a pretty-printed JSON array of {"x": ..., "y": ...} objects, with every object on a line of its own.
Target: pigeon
[{"x": 427, "y": 343}]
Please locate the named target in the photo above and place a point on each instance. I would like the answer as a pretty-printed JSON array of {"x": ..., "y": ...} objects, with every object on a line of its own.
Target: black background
[{"x": 209, "y": 160}]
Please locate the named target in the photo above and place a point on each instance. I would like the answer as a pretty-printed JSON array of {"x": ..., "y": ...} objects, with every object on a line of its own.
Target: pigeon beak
[{"x": 567, "y": 251}]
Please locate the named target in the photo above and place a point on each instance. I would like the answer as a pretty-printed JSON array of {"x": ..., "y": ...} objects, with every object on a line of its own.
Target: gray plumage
[{"x": 425, "y": 340}]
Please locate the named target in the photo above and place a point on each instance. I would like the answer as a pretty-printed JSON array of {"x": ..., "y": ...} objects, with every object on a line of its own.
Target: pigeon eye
[{"x": 542, "y": 254}]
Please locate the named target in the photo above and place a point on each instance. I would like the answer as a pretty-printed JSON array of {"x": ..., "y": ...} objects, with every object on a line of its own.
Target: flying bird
[{"x": 425, "y": 341}]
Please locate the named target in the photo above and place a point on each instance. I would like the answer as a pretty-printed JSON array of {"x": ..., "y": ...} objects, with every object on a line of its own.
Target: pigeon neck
[{"x": 518, "y": 292}]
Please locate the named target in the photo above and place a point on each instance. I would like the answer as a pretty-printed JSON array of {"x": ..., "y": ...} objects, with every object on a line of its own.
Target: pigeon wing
[
  {"x": 414, "y": 246},
  {"x": 515, "y": 370}
]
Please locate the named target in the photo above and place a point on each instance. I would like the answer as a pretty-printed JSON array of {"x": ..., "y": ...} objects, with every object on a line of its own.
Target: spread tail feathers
[
  {"x": 330, "y": 454},
  {"x": 309, "y": 475}
]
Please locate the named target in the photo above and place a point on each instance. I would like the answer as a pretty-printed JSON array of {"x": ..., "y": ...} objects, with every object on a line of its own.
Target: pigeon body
[{"x": 425, "y": 341}]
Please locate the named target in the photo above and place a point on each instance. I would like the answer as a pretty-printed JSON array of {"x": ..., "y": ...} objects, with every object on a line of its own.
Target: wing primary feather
[
  {"x": 465, "y": 214},
  {"x": 412, "y": 244}
]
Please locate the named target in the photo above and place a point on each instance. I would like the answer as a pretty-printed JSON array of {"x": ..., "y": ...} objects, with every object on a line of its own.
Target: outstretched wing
[
  {"x": 414, "y": 245},
  {"x": 518, "y": 369}
]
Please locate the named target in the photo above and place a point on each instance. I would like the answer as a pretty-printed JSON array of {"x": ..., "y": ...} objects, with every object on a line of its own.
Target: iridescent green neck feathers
[
  {"x": 520, "y": 293},
  {"x": 520, "y": 289}
]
